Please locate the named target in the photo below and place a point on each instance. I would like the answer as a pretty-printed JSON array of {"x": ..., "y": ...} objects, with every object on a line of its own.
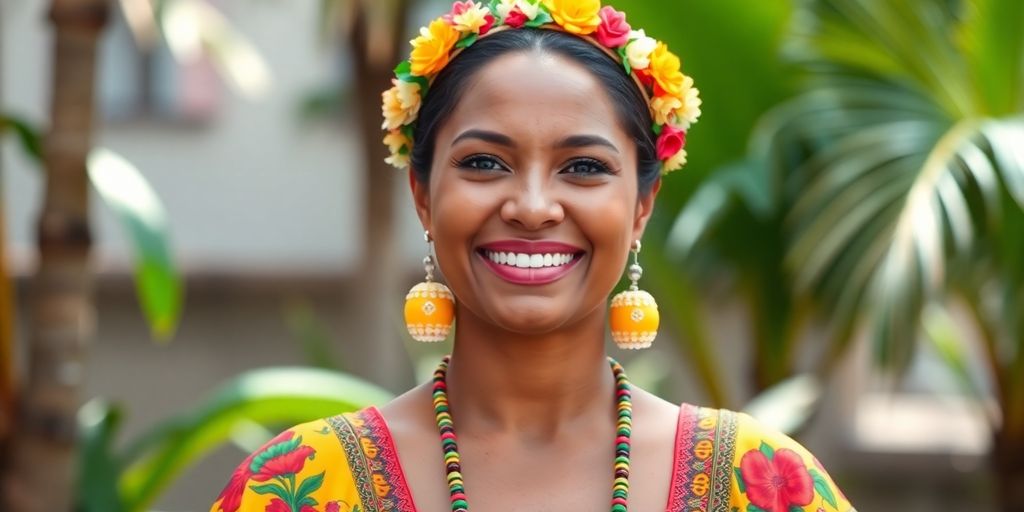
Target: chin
[{"x": 532, "y": 316}]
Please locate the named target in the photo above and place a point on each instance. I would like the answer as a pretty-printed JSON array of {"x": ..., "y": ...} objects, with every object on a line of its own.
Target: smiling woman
[{"x": 536, "y": 135}]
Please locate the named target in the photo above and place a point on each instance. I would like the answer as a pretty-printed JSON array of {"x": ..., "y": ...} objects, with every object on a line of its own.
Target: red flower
[
  {"x": 487, "y": 27},
  {"x": 332, "y": 506},
  {"x": 277, "y": 505},
  {"x": 285, "y": 464},
  {"x": 613, "y": 31},
  {"x": 670, "y": 141},
  {"x": 516, "y": 18},
  {"x": 777, "y": 483},
  {"x": 231, "y": 497}
]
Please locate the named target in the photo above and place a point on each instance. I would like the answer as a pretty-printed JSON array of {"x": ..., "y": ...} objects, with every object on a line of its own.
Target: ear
[
  {"x": 421, "y": 199},
  {"x": 644, "y": 209}
]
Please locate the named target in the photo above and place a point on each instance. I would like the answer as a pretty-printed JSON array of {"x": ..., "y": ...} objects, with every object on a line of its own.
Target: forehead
[{"x": 535, "y": 97}]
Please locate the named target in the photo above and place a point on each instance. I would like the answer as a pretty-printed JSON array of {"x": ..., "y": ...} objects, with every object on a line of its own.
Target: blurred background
[{"x": 200, "y": 243}]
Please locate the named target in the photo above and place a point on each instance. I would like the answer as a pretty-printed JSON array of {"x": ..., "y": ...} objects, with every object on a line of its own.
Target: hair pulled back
[{"x": 441, "y": 99}]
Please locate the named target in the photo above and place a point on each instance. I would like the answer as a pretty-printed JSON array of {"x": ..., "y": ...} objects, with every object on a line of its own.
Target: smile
[{"x": 530, "y": 262}]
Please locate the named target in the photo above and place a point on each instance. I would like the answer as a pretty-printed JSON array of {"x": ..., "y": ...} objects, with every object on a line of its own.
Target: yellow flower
[
  {"x": 638, "y": 51},
  {"x": 575, "y": 16},
  {"x": 677, "y": 161},
  {"x": 681, "y": 111},
  {"x": 396, "y": 141},
  {"x": 430, "y": 50},
  {"x": 664, "y": 108},
  {"x": 401, "y": 104},
  {"x": 688, "y": 113},
  {"x": 472, "y": 19},
  {"x": 665, "y": 68}
]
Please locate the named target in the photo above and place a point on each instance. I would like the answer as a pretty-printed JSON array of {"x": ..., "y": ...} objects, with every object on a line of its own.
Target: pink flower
[
  {"x": 332, "y": 506},
  {"x": 670, "y": 141},
  {"x": 613, "y": 31},
  {"x": 778, "y": 483},
  {"x": 516, "y": 18},
  {"x": 457, "y": 9}
]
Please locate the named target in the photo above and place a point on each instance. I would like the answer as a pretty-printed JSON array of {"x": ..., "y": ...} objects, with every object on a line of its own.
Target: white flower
[
  {"x": 529, "y": 8},
  {"x": 688, "y": 113},
  {"x": 472, "y": 19},
  {"x": 401, "y": 104},
  {"x": 639, "y": 49},
  {"x": 675, "y": 162}
]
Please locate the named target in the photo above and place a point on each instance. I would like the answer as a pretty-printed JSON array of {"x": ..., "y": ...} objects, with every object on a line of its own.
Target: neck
[{"x": 502, "y": 382}]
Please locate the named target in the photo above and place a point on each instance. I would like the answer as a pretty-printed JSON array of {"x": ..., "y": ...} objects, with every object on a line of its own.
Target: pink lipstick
[{"x": 530, "y": 262}]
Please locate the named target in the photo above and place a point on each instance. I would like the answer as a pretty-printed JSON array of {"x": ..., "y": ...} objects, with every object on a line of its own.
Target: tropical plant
[
  {"x": 245, "y": 410},
  {"x": 899, "y": 175}
]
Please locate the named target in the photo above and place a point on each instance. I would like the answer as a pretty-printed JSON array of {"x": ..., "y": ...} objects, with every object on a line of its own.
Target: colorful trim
[
  {"x": 705, "y": 443},
  {"x": 373, "y": 461}
]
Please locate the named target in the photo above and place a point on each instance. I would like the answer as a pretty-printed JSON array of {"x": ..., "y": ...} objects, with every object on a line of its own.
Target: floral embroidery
[{"x": 775, "y": 480}]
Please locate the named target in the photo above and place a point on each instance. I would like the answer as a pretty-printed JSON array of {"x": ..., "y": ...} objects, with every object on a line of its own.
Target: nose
[{"x": 532, "y": 206}]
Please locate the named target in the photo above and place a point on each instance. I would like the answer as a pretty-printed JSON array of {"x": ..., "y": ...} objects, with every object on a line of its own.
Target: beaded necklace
[{"x": 453, "y": 467}]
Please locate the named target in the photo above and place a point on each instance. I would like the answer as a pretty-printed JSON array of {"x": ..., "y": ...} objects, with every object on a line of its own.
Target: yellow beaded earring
[
  {"x": 429, "y": 306},
  {"x": 634, "y": 313}
]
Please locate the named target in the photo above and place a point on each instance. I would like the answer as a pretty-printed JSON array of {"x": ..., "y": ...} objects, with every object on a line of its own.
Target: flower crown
[{"x": 672, "y": 98}]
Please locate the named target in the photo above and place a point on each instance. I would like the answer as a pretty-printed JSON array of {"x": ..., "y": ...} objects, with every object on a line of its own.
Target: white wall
[{"x": 254, "y": 190}]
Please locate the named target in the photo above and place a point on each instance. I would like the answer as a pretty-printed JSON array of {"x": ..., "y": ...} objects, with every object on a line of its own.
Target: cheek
[
  {"x": 607, "y": 222},
  {"x": 457, "y": 214}
]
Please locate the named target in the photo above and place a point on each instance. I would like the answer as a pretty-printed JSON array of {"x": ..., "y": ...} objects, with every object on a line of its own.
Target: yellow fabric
[
  {"x": 725, "y": 462},
  {"x": 762, "y": 455}
]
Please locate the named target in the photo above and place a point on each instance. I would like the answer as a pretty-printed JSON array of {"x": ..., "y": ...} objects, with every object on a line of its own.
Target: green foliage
[
  {"x": 726, "y": 46},
  {"x": 131, "y": 479},
  {"x": 127, "y": 193}
]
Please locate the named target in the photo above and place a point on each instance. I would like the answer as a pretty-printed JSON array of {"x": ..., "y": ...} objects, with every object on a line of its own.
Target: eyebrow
[{"x": 572, "y": 141}]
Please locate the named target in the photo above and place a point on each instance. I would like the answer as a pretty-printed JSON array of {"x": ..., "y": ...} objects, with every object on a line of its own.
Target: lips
[{"x": 530, "y": 262}]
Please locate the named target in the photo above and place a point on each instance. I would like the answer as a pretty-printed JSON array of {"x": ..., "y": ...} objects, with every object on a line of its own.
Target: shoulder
[
  {"x": 729, "y": 457},
  {"x": 301, "y": 469}
]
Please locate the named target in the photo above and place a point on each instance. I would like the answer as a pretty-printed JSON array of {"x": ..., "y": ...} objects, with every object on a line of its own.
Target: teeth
[{"x": 523, "y": 260}]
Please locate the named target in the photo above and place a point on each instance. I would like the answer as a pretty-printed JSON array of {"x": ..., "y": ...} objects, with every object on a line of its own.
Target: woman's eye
[
  {"x": 482, "y": 163},
  {"x": 586, "y": 167}
]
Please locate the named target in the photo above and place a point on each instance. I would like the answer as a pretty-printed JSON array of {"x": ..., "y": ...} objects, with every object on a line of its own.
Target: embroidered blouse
[{"x": 724, "y": 462}]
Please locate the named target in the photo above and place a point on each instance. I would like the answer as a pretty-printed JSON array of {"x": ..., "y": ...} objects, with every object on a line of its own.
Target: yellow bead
[
  {"x": 634, "y": 319},
  {"x": 429, "y": 311}
]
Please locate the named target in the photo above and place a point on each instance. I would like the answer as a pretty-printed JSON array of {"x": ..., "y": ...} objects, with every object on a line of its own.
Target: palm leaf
[{"x": 895, "y": 164}]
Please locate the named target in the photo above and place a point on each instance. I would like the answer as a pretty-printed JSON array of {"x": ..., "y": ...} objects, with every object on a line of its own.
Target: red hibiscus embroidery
[
  {"x": 670, "y": 141},
  {"x": 774, "y": 484},
  {"x": 613, "y": 31},
  {"x": 285, "y": 464},
  {"x": 516, "y": 18},
  {"x": 277, "y": 505},
  {"x": 231, "y": 496}
]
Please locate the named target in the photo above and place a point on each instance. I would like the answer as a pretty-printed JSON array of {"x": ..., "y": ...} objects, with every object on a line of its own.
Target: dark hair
[{"x": 633, "y": 111}]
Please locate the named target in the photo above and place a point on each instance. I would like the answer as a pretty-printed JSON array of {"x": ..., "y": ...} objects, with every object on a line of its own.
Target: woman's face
[{"x": 533, "y": 200}]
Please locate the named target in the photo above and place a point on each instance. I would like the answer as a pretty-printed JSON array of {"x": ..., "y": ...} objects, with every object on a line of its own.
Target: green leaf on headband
[
  {"x": 467, "y": 41},
  {"x": 403, "y": 71},
  {"x": 542, "y": 18},
  {"x": 403, "y": 68},
  {"x": 408, "y": 130},
  {"x": 493, "y": 7},
  {"x": 656, "y": 128},
  {"x": 625, "y": 60}
]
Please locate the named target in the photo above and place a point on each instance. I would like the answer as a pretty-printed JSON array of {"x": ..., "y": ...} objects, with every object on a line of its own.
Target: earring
[
  {"x": 429, "y": 306},
  {"x": 634, "y": 313}
]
